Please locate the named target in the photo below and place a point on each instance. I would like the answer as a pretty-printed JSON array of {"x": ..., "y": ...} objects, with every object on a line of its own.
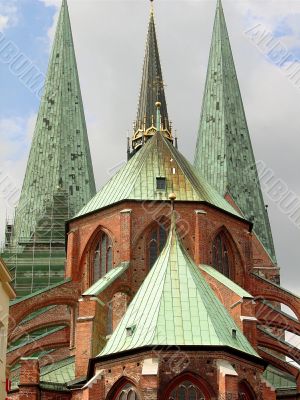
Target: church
[{"x": 164, "y": 284}]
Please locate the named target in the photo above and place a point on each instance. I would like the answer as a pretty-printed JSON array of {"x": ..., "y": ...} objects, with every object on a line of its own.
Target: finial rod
[
  {"x": 172, "y": 198},
  {"x": 152, "y": 7},
  {"x": 158, "y": 116}
]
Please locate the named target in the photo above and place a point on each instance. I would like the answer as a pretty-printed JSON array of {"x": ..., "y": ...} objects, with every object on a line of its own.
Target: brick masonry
[{"x": 89, "y": 320}]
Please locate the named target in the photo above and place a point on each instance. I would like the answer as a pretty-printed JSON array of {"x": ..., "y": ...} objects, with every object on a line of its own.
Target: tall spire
[
  {"x": 59, "y": 178},
  {"x": 224, "y": 154},
  {"x": 152, "y": 91}
]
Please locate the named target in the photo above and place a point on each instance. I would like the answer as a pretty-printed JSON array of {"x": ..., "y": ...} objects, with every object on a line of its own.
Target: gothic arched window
[
  {"x": 157, "y": 241},
  {"x": 128, "y": 392},
  {"x": 245, "y": 392},
  {"x": 102, "y": 257},
  {"x": 220, "y": 251},
  {"x": 186, "y": 391}
]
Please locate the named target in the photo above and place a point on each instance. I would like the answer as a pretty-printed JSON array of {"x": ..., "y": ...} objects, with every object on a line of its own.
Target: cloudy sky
[{"x": 109, "y": 39}]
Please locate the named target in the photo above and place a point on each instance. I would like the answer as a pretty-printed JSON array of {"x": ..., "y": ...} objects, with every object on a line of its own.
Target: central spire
[{"x": 152, "y": 92}]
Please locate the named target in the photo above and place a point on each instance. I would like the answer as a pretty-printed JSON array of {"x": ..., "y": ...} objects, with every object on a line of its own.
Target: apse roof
[{"x": 176, "y": 306}]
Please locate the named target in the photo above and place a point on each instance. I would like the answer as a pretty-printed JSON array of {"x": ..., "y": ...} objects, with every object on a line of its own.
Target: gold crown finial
[
  {"x": 172, "y": 198},
  {"x": 158, "y": 104}
]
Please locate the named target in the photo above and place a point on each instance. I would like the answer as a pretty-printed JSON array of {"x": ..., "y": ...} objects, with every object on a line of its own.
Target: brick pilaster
[
  {"x": 90, "y": 332},
  {"x": 29, "y": 379},
  {"x": 125, "y": 228},
  {"x": 200, "y": 214},
  {"x": 72, "y": 251}
]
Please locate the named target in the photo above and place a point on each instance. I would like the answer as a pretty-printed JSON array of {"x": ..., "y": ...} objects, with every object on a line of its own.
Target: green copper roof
[
  {"x": 175, "y": 306},
  {"x": 152, "y": 90},
  {"x": 38, "y": 292},
  {"x": 279, "y": 379},
  {"x": 226, "y": 281},
  {"x": 33, "y": 337},
  {"x": 59, "y": 157},
  {"x": 224, "y": 153},
  {"x": 107, "y": 280},
  {"x": 59, "y": 177},
  {"x": 60, "y": 372},
  {"x": 137, "y": 179}
]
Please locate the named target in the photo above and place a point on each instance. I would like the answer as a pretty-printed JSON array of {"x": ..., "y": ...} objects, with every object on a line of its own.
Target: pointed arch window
[
  {"x": 245, "y": 392},
  {"x": 128, "y": 392},
  {"x": 220, "y": 251},
  {"x": 157, "y": 241},
  {"x": 102, "y": 257},
  {"x": 187, "y": 391}
]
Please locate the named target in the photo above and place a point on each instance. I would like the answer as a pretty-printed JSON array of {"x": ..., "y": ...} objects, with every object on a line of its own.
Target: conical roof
[
  {"x": 59, "y": 158},
  {"x": 175, "y": 306},
  {"x": 137, "y": 180},
  {"x": 224, "y": 154}
]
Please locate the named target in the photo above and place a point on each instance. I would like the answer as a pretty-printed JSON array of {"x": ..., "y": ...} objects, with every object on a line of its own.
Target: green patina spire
[
  {"x": 224, "y": 154},
  {"x": 59, "y": 178},
  {"x": 175, "y": 306},
  {"x": 152, "y": 91}
]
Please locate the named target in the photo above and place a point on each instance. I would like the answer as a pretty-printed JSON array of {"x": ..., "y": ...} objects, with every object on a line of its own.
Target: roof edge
[{"x": 136, "y": 351}]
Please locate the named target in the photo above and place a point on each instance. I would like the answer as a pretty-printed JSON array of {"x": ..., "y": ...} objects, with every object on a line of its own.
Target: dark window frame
[
  {"x": 221, "y": 255},
  {"x": 102, "y": 257},
  {"x": 161, "y": 183}
]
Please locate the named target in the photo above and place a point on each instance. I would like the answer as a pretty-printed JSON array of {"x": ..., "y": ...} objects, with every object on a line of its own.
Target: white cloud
[
  {"x": 8, "y": 14},
  {"x": 16, "y": 134},
  {"x": 3, "y": 22},
  {"x": 56, "y": 4}
]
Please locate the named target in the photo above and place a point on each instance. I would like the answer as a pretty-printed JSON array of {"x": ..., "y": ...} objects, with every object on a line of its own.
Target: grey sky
[{"x": 110, "y": 39}]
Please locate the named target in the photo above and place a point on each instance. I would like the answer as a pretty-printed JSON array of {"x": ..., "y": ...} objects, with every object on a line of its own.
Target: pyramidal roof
[
  {"x": 59, "y": 159},
  {"x": 137, "y": 179},
  {"x": 224, "y": 153},
  {"x": 175, "y": 306}
]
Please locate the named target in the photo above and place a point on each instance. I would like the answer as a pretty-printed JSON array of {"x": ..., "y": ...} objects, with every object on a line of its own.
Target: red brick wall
[
  {"x": 196, "y": 233},
  {"x": 172, "y": 364}
]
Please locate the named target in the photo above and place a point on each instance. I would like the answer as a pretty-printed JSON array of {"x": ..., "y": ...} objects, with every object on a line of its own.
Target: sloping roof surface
[
  {"x": 60, "y": 372},
  {"x": 279, "y": 379},
  {"x": 107, "y": 280},
  {"x": 137, "y": 179},
  {"x": 226, "y": 281},
  {"x": 175, "y": 306}
]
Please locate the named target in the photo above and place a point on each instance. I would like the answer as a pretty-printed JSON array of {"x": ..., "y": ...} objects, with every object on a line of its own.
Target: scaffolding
[{"x": 38, "y": 262}]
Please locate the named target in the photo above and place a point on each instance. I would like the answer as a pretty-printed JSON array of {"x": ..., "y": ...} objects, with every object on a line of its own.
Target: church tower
[
  {"x": 224, "y": 154},
  {"x": 59, "y": 177}
]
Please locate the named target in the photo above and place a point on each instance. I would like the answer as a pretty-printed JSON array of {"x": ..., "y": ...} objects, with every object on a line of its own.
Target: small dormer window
[
  {"x": 161, "y": 183},
  {"x": 130, "y": 330}
]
